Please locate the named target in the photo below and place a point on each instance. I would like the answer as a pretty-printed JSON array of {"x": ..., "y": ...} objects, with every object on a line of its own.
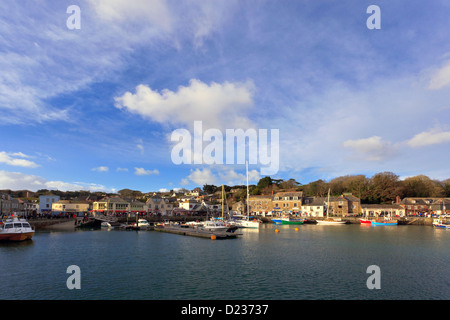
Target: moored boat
[
  {"x": 331, "y": 222},
  {"x": 276, "y": 220},
  {"x": 365, "y": 221},
  {"x": 441, "y": 226},
  {"x": 290, "y": 220},
  {"x": 15, "y": 229},
  {"x": 241, "y": 221},
  {"x": 212, "y": 225},
  {"x": 437, "y": 223},
  {"x": 384, "y": 223}
]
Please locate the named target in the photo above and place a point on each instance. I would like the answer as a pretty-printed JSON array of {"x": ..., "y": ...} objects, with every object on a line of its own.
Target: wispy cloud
[
  {"x": 101, "y": 169},
  {"x": 371, "y": 149},
  {"x": 14, "y": 159},
  {"x": 21, "y": 181},
  {"x": 219, "y": 175},
  {"x": 428, "y": 138},
  {"x": 145, "y": 172},
  {"x": 440, "y": 77}
]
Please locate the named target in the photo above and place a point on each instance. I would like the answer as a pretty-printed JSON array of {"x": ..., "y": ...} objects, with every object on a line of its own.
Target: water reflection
[{"x": 299, "y": 262}]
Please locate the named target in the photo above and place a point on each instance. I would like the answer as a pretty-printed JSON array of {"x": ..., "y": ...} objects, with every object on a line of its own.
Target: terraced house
[
  {"x": 118, "y": 206},
  {"x": 314, "y": 206},
  {"x": 78, "y": 208},
  {"x": 161, "y": 206},
  {"x": 420, "y": 205},
  {"x": 287, "y": 203},
  {"x": 261, "y": 205},
  {"x": 345, "y": 205}
]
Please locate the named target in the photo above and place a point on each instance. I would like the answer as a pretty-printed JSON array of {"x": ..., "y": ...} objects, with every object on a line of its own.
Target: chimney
[{"x": 397, "y": 200}]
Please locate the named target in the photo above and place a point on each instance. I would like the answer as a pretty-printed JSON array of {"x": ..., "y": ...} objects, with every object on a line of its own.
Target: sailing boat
[
  {"x": 330, "y": 221},
  {"x": 243, "y": 222},
  {"x": 215, "y": 225}
]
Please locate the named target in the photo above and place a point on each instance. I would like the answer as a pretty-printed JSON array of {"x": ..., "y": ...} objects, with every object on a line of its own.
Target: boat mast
[
  {"x": 222, "y": 202},
  {"x": 328, "y": 202},
  {"x": 248, "y": 213}
]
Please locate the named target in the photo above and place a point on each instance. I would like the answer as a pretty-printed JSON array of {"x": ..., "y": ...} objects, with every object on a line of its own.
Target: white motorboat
[
  {"x": 241, "y": 221},
  {"x": 211, "y": 225},
  {"x": 143, "y": 223},
  {"x": 15, "y": 229}
]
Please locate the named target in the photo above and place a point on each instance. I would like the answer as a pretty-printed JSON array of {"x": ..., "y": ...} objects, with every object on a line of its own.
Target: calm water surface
[{"x": 315, "y": 262}]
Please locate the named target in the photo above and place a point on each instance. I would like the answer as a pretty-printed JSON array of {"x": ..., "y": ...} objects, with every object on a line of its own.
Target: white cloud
[
  {"x": 440, "y": 77},
  {"x": 217, "y": 105},
  {"x": 429, "y": 138},
  {"x": 195, "y": 20},
  {"x": 20, "y": 181},
  {"x": 222, "y": 175},
  {"x": 101, "y": 169},
  {"x": 184, "y": 182},
  {"x": 155, "y": 12},
  {"x": 144, "y": 172},
  {"x": 122, "y": 169},
  {"x": 13, "y": 160},
  {"x": 201, "y": 177},
  {"x": 231, "y": 177},
  {"x": 371, "y": 149}
]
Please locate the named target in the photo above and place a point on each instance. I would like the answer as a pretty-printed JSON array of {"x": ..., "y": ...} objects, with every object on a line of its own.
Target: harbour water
[{"x": 314, "y": 263}]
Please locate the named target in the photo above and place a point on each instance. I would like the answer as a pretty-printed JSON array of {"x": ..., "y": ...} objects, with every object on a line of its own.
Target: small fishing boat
[
  {"x": 15, "y": 229},
  {"x": 385, "y": 223},
  {"x": 291, "y": 220},
  {"x": 437, "y": 223},
  {"x": 110, "y": 224},
  {"x": 365, "y": 221}
]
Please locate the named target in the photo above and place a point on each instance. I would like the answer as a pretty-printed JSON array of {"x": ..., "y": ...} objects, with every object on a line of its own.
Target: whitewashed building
[{"x": 46, "y": 202}]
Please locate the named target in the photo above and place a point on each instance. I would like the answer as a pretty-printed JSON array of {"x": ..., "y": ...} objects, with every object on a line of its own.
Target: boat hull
[
  {"x": 247, "y": 224},
  {"x": 375, "y": 223},
  {"x": 292, "y": 221},
  {"x": 20, "y": 236},
  {"x": 331, "y": 222},
  {"x": 364, "y": 221},
  {"x": 441, "y": 226}
]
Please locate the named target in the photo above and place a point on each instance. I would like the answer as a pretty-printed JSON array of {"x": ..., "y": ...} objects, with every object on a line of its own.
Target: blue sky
[{"x": 93, "y": 108}]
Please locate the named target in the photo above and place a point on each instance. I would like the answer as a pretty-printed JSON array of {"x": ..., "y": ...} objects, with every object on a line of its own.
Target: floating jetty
[{"x": 194, "y": 232}]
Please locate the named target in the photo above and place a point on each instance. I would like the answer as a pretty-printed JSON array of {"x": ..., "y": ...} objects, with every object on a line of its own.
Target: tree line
[{"x": 383, "y": 187}]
